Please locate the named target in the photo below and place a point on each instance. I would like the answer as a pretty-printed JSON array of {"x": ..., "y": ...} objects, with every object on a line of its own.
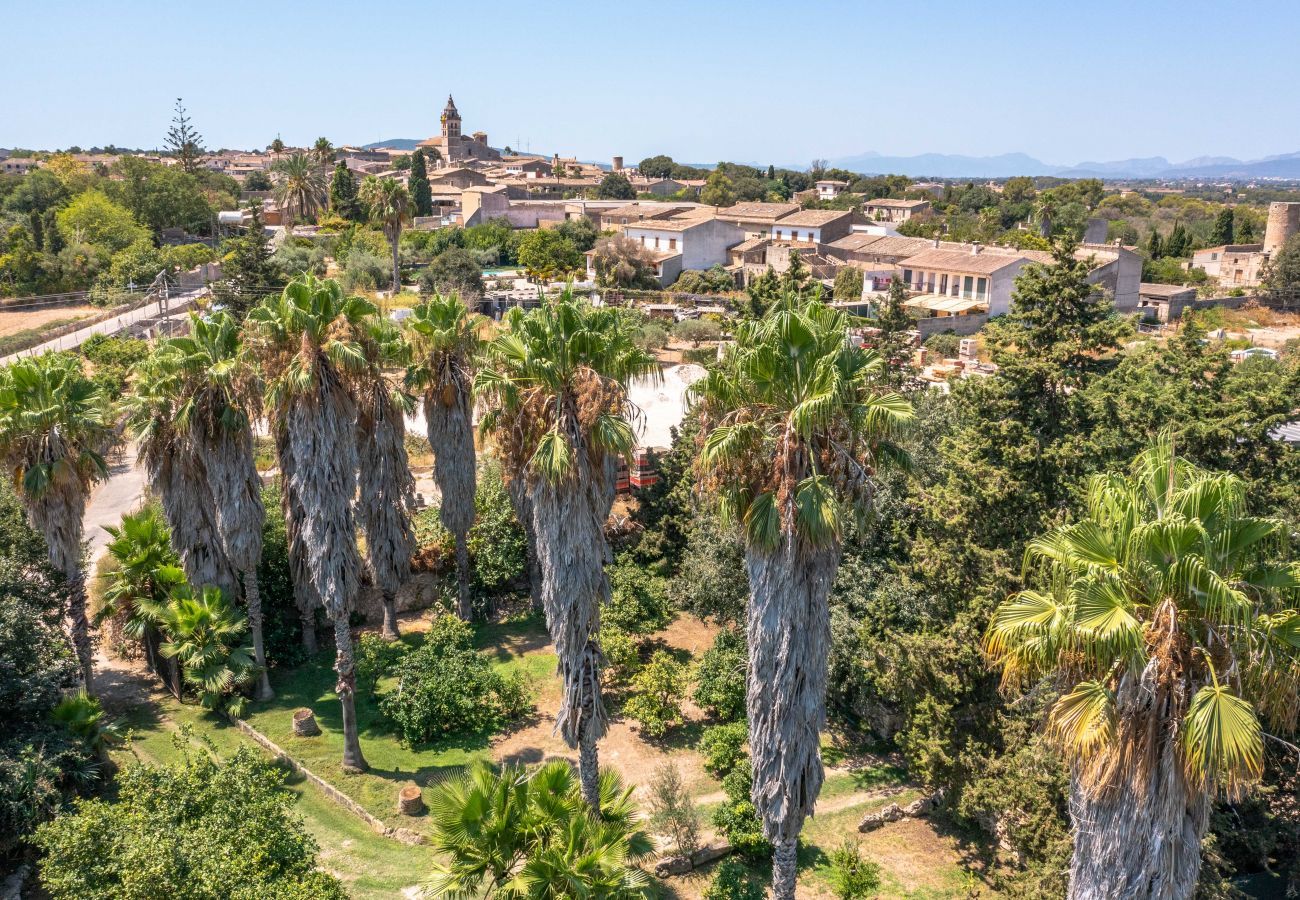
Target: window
[
  {"x": 907, "y": 276},
  {"x": 943, "y": 284},
  {"x": 968, "y": 286},
  {"x": 656, "y": 242},
  {"x": 982, "y": 289},
  {"x": 672, "y": 243}
]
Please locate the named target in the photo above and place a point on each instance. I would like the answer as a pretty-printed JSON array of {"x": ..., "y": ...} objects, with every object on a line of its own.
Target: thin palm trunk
[
  {"x": 253, "y": 597},
  {"x": 1139, "y": 836},
  {"x": 346, "y": 688},
  {"x": 397, "y": 272},
  {"x": 451, "y": 436},
  {"x": 518, "y": 490},
  {"x": 58, "y": 515},
  {"x": 788, "y": 629},
  {"x": 569, "y": 520}
]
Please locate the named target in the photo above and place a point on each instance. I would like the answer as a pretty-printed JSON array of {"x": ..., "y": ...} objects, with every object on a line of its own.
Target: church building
[{"x": 452, "y": 146}]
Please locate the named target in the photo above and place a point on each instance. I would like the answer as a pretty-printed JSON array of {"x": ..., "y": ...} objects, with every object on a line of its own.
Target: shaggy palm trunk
[
  {"x": 319, "y": 466},
  {"x": 518, "y": 490},
  {"x": 569, "y": 521},
  {"x": 237, "y": 494},
  {"x": 451, "y": 436},
  {"x": 177, "y": 475},
  {"x": 1138, "y": 835},
  {"x": 346, "y": 688},
  {"x": 58, "y": 514},
  {"x": 253, "y": 597},
  {"x": 385, "y": 492},
  {"x": 788, "y": 629},
  {"x": 304, "y": 591}
]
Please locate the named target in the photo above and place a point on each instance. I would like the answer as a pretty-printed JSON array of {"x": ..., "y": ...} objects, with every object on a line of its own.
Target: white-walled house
[{"x": 696, "y": 240}]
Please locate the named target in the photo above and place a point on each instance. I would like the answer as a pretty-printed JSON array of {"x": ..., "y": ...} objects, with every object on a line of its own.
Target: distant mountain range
[
  {"x": 950, "y": 165},
  {"x": 944, "y": 165}
]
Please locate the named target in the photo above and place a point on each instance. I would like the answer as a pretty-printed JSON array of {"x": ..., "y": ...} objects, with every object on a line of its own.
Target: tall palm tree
[
  {"x": 1167, "y": 617},
  {"x": 511, "y": 834},
  {"x": 53, "y": 429},
  {"x": 323, "y": 152},
  {"x": 299, "y": 187},
  {"x": 795, "y": 430},
  {"x": 386, "y": 488},
  {"x": 388, "y": 204},
  {"x": 305, "y": 341},
  {"x": 220, "y": 396},
  {"x": 176, "y": 470},
  {"x": 445, "y": 337},
  {"x": 556, "y": 387}
]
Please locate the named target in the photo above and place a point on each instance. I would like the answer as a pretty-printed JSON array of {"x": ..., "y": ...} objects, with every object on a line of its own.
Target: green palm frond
[
  {"x": 1223, "y": 744},
  {"x": 1084, "y": 720}
]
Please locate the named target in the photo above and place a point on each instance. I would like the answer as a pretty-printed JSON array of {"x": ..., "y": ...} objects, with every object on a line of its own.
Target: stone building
[{"x": 452, "y": 146}]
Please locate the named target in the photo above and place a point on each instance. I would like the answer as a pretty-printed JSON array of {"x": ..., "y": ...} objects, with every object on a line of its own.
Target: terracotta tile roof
[
  {"x": 814, "y": 218},
  {"x": 985, "y": 262},
  {"x": 768, "y": 211}
]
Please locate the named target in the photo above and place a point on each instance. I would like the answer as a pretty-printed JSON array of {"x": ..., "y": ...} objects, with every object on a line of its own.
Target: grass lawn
[
  {"x": 392, "y": 764},
  {"x": 917, "y": 860}
]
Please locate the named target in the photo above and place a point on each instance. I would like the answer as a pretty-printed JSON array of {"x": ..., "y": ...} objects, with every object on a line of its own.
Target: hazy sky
[{"x": 759, "y": 81}]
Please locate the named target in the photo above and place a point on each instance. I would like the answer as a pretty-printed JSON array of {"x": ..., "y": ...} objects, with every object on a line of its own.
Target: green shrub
[
  {"x": 445, "y": 687},
  {"x": 700, "y": 356},
  {"x": 622, "y": 659},
  {"x": 199, "y": 828},
  {"x": 738, "y": 819},
  {"x": 851, "y": 876},
  {"x": 375, "y": 658},
  {"x": 720, "y": 676},
  {"x": 944, "y": 344},
  {"x": 723, "y": 747},
  {"x": 732, "y": 881},
  {"x": 659, "y": 689},
  {"x": 496, "y": 542},
  {"x": 281, "y": 620},
  {"x": 638, "y": 602}
]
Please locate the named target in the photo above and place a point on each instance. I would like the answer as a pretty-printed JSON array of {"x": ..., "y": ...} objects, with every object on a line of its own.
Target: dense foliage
[
  {"x": 446, "y": 687},
  {"x": 198, "y": 830}
]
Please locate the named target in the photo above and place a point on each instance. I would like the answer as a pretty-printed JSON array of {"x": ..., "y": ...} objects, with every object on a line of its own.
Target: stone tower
[
  {"x": 450, "y": 119},
  {"x": 1283, "y": 221}
]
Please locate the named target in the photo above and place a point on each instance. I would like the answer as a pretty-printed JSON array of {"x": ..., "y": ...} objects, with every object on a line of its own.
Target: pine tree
[
  {"x": 894, "y": 342},
  {"x": 1155, "y": 249},
  {"x": 418, "y": 182},
  {"x": 249, "y": 272},
  {"x": 1223, "y": 223},
  {"x": 343, "y": 193},
  {"x": 183, "y": 141}
]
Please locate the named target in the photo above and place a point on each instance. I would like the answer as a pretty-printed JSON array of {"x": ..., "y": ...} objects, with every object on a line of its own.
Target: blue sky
[{"x": 759, "y": 80}]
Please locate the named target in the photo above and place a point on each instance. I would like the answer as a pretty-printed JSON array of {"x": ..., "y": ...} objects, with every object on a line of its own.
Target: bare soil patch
[{"x": 14, "y": 321}]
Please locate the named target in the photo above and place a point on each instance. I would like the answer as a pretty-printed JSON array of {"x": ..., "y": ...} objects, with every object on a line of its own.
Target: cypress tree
[
  {"x": 771, "y": 172},
  {"x": 343, "y": 193},
  {"x": 1155, "y": 249},
  {"x": 1223, "y": 227},
  {"x": 421, "y": 194},
  {"x": 1178, "y": 242},
  {"x": 1246, "y": 233}
]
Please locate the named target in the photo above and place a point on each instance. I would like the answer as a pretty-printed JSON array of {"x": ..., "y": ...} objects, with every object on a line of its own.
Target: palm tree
[
  {"x": 556, "y": 384},
  {"x": 1166, "y": 617},
  {"x": 795, "y": 430},
  {"x": 445, "y": 336},
  {"x": 389, "y": 206},
  {"x": 52, "y": 432},
  {"x": 305, "y": 341},
  {"x": 299, "y": 187},
  {"x": 323, "y": 151},
  {"x": 220, "y": 394},
  {"x": 176, "y": 470},
  {"x": 205, "y": 633},
  {"x": 511, "y": 834},
  {"x": 386, "y": 488},
  {"x": 145, "y": 570}
]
